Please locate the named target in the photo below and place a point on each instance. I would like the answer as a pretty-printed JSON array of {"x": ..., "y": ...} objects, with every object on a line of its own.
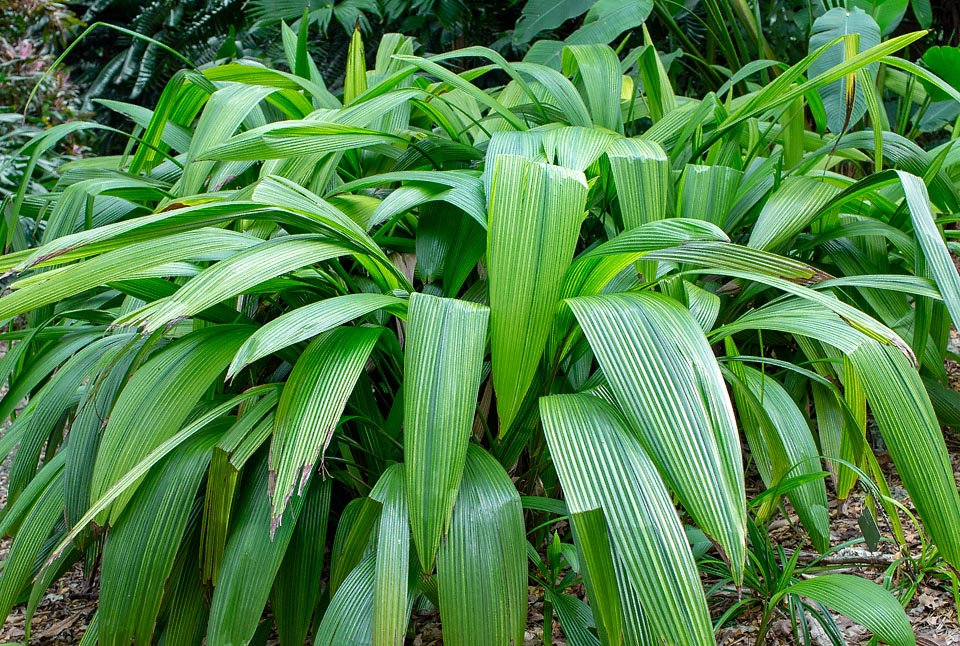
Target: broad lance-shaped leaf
[
  {"x": 482, "y": 563},
  {"x": 308, "y": 321},
  {"x": 863, "y": 601},
  {"x": 298, "y": 584},
  {"x": 641, "y": 172},
  {"x": 935, "y": 252},
  {"x": 843, "y": 100},
  {"x": 310, "y": 407},
  {"x": 391, "y": 591},
  {"x": 665, "y": 378},
  {"x": 28, "y": 544},
  {"x": 600, "y": 79},
  {"x": 601, "y": 465},
  {"x": 235, "y": 275},
  {"x": 535, "y": 215},
  {"x": 912, "y": 434},
  {"x": 164, "y": 391},
  {"x": 252, "y": 557},
  {"x": 63, "y": 282},
  {"x": 140, "y": 549},
  {"x": 224, "y": 112},
  {"x": 446, "y": 339},
  {"x": 789, "y": 210},
  {"x": 791, "y": 431},
  {"x": 348, "y": 620}
]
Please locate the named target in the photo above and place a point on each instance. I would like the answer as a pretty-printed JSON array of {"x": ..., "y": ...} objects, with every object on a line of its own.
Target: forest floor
[{"x": 67, "y": 608}]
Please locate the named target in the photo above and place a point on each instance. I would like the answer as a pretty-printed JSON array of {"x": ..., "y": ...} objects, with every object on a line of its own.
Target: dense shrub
[{"x": 347, "y": 354}]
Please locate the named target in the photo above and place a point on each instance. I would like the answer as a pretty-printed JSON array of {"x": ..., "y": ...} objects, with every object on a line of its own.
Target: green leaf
[
  {"x": 607, "y": 19},
  {"x": 252, "y": 557},
  {"x": 310, "y": 407},
  {"x": 225, "y": 111},
  {"x": 356, "y": 525},
  {"x": 910, "y": 430},
  {"x": 296, "y": 590},
  {"x": 789, "y": 210},
  {"x": 446, "y": 340},
  {"x": 576, "y": 147},
  {"x": 945, "y": 63},
  {"x": 602, "y": 466},
  {"x": 348, "y": 620},
  {"x": 598, "y": 70},
  {"x": 59, "y": 284},
  {"x": 29, "y": 543},
  {"x": 923, "y": 12},
  {"x": 600, "y": 576},
  {"x": 800, "y": 451},
  {"x": 391, "y": 598},
  {"x": 287, "y": 139},
  {"x": 887, "y": 13},
  {"x": 309, "y": 321},
  {"x": 230, "y": 277},
  {"x": 931, "y": 242},
  {"x": 665, "y": 377},
  {"x": 575, "y": 617},
  {"x": 543, "y": 15},
  {"x": 461, "y": 83},
  {"x": 140, "y": 549},
  {"x": 355, "y": 82},
  {"x": 708, "y": 192},
  {"x": 535, "y": 215},
  {"x": 164, "y": 390},
  {"x": 657, "y": 89},
  {"x": 844, "y": 102},
  {"x": 482, "y": 564},
  {"x": 641, "y": 172},
  {"x": 861, "y": 600}
]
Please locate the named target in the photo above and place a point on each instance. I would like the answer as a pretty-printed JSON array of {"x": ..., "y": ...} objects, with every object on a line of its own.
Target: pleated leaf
[
  {"x": 599, "y": 78},
  {"x": 237, "y": 274},
  {"x": 535, "y": 215},
  {"x": 602, "y": 466},
  {"x": 667, "y": 381},
  {"x": 800, "y": 451},
  {"x": 296, "y": 590},
  {"x": 252, "y": 557},
  {"x": 309, "y": 321},
  {"x": 310, "y": 407},
  {"x": 348, "y": 620},
  {"x": 446, "y": 339},
  {"x": 164, "y": 390},
  {"x": 641, "y": 172},
  {"x": 28, "y": 544},
  {"x": 789, "y": 210},
  {"x": 141, "y": 547},
  {"x": 708, "y": 192},
  {"x": 863, "y": 601},
  {"x": 54, "y": 286},
  {"x": 910, "y": 430},
  {"x": 482, "y": 564},
  {"x": 391, "y": 598},
  {"x": 935, "y": 252}
]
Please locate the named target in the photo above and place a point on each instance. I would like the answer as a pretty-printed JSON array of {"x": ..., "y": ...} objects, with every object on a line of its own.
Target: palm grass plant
[{"x": 345, "y": 354}]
